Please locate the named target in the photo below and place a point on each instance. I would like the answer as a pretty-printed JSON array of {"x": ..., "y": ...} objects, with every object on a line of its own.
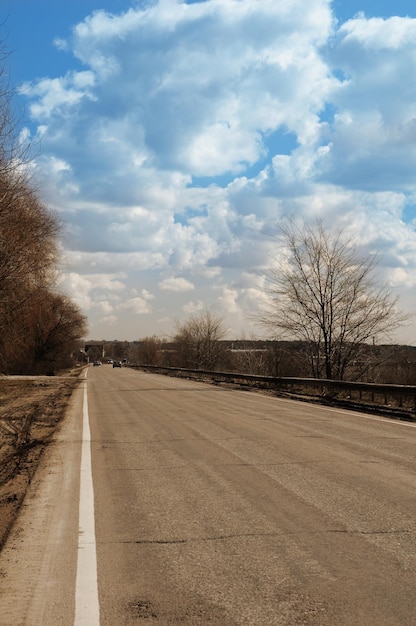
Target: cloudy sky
[{"x": 173, "y": 137}]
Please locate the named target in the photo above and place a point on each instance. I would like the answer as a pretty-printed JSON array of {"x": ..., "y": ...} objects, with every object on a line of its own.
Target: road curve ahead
[{"x": 224, "y": 507}]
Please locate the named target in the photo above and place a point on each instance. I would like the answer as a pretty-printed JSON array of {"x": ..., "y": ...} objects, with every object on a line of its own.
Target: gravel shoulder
[{"x": 31, "y": 410}]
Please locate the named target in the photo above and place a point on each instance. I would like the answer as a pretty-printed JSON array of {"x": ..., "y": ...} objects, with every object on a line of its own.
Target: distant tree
[
  {"x": 395, "y": 365},
  {"x": 198, "y": 341},
  {"x": 251, "y": 356},
  {"x": 148, "y": 350},
  {"x": 325, "y": 295}
]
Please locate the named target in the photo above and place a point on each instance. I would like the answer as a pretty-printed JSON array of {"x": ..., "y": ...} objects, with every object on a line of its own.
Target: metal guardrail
[{"x": 325, "y": 387}]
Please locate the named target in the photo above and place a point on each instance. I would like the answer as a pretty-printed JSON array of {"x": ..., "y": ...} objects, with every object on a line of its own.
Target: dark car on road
[{"x": 116, "y": 364}]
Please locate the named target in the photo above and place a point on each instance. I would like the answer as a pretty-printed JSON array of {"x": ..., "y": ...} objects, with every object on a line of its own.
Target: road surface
[{"x": 191, "y": 504}]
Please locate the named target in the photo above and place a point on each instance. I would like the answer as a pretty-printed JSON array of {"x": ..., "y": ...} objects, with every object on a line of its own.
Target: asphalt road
[{"x": 218, "y": 507}]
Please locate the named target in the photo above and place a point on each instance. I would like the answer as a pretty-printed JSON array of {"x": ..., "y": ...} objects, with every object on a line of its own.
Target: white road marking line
[
  {"x": 390, "y": 420},
  {"x": 87, "y": 608},
  {"x": 387, "y": 420}
]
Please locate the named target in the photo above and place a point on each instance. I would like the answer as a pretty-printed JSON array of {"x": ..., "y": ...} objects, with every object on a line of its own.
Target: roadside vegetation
[
  {"x": 324, "y": 314},
  {"x": 39, "y": 327},
  {"x": 381, "y": 364},
  {"x": 30, "y": 411}
]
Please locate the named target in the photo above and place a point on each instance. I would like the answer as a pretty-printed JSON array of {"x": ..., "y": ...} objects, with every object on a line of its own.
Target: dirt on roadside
[{"x": 31, "y": 409}]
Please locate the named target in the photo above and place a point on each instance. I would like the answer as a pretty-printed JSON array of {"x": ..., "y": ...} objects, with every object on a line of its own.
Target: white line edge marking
[
  {"x": 87, "y": 608},
  {"x": 387, "y": 420},
  {"x": 352, "y": 413}
]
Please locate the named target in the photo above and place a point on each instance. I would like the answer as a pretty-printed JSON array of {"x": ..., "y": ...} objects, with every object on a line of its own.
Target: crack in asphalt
[{"x": 256, "y": 535}]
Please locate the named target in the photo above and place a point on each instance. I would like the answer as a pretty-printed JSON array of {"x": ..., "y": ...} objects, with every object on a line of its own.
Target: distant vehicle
[
  {"x": 110, "y": 361},
  {"x": 116, "y": 364},
  {"x": 96, "y": 363}
]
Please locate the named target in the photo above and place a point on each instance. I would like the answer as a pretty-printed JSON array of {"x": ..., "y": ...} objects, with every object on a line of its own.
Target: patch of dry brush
[{"x": 31, "y": 409}]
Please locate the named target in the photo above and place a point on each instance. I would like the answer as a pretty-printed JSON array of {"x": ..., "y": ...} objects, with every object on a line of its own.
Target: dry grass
[{"x": 30, "y": 411}]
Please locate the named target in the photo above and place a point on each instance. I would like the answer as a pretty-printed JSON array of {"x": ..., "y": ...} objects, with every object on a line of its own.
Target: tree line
[
  {"x": 40, "y": 327},
  {"x": 325, "y": 316},
  {"x": 382, "y": 364}
]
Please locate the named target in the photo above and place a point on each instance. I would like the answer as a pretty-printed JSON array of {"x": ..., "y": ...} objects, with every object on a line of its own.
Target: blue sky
[{"x": 175, "y": 136}]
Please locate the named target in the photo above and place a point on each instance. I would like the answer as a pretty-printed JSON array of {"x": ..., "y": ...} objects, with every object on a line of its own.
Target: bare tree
[
  {"x": 37, "y": 325},
  {"x": 28, "y": 230},
  {"x": 28, "y": 250},
  {"x": 149, "y": 350},
  {"x": 28, "y": 235},
  {"x": 325, "y": 295},
  {"x": 45, "y": 335},
  {"x": 198, "y": 341},
  {"x": 251, "y": 356},
  {"x": 13, "y": 151}
]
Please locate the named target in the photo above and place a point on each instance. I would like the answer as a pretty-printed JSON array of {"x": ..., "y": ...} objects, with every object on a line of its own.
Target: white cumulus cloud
[{"x": 194, "y": 128}]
